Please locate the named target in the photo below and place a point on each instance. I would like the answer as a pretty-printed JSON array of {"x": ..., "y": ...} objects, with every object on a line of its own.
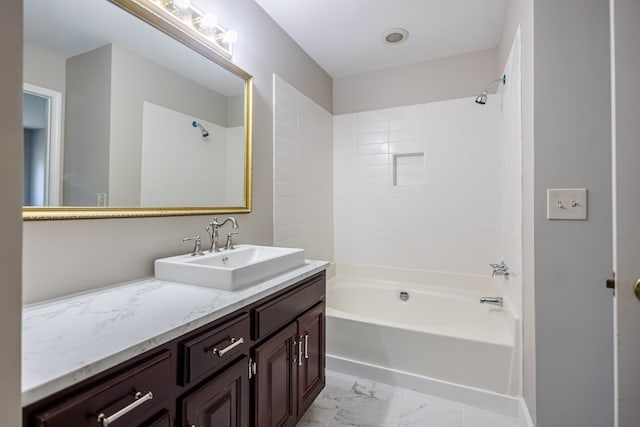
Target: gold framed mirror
[{"x": 130, "y": 114}]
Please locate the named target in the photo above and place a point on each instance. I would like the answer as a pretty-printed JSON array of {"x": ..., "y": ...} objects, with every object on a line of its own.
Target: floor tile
[
  {"x": 348, "y": 401},
  {"x": 421, "y": 410}
]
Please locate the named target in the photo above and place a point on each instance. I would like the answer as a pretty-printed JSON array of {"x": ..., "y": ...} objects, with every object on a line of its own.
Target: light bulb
[
  {"x": 230, "y": 37},
  {"x": 182, "y": 4},
  {"x": 209, "y": 20}
]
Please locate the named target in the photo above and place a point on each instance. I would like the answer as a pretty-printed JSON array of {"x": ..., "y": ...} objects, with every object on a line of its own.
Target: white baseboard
[{"x": 502, "y": 404}]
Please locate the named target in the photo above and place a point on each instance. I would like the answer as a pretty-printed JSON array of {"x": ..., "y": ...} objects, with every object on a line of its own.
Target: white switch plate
[{"x": 567, "y": 203}]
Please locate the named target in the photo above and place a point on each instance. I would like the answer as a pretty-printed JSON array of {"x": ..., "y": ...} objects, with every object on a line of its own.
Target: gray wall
[
  {"x": 574, "y": 319},
  {"x": 447, "y": 78},
  {"x": 520, "y": 12},
  {"x": 44, "y": 68},
  {"x": 92, "y": 253},
  {"x": 87, "y": 127},
  {"x": 10, "y": 209}
]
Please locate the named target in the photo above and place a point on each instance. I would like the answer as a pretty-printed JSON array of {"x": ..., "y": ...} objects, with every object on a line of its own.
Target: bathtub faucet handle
[{"x": 500, "y": 269}]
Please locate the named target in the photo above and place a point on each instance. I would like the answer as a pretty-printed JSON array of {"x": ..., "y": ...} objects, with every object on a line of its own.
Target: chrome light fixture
[{"x": 203, "y": 25}]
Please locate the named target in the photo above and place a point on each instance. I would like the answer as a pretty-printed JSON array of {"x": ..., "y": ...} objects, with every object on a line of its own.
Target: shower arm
[{"x": 502, "y": 79}]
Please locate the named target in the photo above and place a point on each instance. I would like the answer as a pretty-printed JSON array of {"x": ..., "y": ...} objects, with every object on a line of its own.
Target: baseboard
[{"x": 499, "y": 403}]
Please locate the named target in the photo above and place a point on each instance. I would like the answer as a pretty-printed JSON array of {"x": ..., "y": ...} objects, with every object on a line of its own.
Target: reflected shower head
[
  {"x": 482, "y": 98},
  {"x": 205, "y": 133}
]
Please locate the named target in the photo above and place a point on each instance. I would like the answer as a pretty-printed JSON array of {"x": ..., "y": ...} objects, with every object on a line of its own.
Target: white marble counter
[{"x": 67, "y": 340}]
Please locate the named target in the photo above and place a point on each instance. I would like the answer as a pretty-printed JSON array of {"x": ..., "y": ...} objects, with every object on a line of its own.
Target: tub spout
[{"x": 492, "y": 300}]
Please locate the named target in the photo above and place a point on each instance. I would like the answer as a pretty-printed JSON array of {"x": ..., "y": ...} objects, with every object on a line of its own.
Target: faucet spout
[
  {"x": 212, "y": 229},
  {"x": 492, "y": 300}
]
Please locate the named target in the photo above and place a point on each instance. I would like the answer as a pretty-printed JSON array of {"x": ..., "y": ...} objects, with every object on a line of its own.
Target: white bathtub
[{"x": 440, "y": 332}]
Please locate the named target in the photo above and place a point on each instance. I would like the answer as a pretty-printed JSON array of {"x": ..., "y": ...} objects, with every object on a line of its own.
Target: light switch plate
[{"x": 567, "y": 203}]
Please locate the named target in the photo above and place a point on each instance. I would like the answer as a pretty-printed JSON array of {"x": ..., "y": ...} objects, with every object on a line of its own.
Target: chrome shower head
[
  {"x": 203, "y": 131},
  {"x": 482, "y": 98}
]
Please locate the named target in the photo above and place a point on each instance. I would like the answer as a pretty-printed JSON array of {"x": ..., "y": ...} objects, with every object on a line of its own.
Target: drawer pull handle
[
  {"x": 306, "y": 346},
  {"x": 234, "y": 343},
  {"x": 140, "y": 399}
]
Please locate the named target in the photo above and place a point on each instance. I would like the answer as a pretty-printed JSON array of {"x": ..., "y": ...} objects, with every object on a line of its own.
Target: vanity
[{"x": 159, "y": 353}]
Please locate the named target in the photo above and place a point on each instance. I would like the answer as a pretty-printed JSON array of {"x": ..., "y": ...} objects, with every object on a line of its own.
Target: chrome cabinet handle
[
  {"x": 300, "y": 351},
  {"x": 234, "y": 344},
  {"x": 306, "y": 346},
  {"x": 139, "y": 400}
]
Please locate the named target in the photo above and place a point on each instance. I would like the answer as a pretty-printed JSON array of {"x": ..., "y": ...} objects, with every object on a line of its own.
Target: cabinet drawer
[
  {"x": 213, "y": 349},
  {"x": 162, "y": 419},
  {"x": 126, "y": 395},
  {"x": 271, "y": 316}
]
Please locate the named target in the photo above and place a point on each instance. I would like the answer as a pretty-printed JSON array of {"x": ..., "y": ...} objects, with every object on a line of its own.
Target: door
[
  {"x": 42, "y": 124},
  {"x": 275, "y": 380},
  {"x": 626, "y": 219},
  {"x": 311, "y": 336},
  {"x": 221, "y": 402}
]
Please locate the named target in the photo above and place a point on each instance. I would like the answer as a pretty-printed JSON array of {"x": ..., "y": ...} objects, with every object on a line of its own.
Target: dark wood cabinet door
[
  {"x": 222, "y": 402},
  {"x": 311, "y": 333},
  {"x": 275, "y": 380}
]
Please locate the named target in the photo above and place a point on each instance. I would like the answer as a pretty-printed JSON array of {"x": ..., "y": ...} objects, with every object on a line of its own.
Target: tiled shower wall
[
  {"x": 417, "y": 186},
  {"x": 510, "y": 194},
  {"x": 303, "y": 173}
]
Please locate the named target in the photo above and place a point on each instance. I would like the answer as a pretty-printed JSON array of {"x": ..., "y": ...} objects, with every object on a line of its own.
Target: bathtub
[{"x": 436, "y": 330}]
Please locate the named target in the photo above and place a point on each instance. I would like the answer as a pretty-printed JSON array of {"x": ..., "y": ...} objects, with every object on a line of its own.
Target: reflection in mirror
[{"x": 121, "y": 116}]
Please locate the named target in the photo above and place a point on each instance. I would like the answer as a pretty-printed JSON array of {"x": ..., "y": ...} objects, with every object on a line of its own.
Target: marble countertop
[{"x": 67, "y": 340}]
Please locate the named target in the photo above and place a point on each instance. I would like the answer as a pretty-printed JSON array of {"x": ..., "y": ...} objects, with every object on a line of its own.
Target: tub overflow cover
[{"x": 404, "y": 295}]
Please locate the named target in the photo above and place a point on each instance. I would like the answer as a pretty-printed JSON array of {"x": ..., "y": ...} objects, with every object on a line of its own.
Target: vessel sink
[{"x": 229, "y": 269}]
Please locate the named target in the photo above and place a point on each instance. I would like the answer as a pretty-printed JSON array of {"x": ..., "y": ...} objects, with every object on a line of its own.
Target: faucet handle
[
  {"x": 229, "y": 245},
  {"x": 197, "y": 248}
]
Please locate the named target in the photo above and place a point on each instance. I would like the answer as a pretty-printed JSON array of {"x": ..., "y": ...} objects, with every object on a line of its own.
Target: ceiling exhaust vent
[{"x": 395, "y": 35}]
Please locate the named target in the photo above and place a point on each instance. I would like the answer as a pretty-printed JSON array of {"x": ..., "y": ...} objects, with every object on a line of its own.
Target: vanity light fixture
[{"x": 204, "y": 25}]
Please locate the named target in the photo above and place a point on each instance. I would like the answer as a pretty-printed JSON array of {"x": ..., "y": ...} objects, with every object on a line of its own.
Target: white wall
[
  {"x": 510, "y": 178},
  {"x": 91, "y": 253},
  {"x": 520, "y": 14},
  {"x": 178, "y": 166},
  {"x": 302, "y": 181},
  {"x": 10, "y": 210},
  {"x": 447, "y": 223},
  {"x": 574, "y": 351}
]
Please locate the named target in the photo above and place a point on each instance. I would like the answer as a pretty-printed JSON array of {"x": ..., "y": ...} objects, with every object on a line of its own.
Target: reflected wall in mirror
[{"x": 121, "y": 119}]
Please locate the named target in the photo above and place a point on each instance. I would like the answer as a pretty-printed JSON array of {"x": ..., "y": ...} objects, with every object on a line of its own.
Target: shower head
[
  {"x": 482, "y": 98},
  {"x": 205, "y": 133}
]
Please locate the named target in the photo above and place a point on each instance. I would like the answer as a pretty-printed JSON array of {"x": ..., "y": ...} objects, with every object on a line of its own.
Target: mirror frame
[{"x": 195, "y": 41}]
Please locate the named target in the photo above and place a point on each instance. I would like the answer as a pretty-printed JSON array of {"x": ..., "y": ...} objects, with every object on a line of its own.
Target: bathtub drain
[{"x": 404, "y": 295}]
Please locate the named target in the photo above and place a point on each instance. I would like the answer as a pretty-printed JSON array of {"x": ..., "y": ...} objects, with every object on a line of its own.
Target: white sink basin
[{"x": 229, "y": 270}]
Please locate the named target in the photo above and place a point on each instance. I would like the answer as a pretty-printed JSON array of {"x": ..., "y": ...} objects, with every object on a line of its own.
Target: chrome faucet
[
  {"x": 212, "y": 229},
  {"x": 492, "y": 300},
  {"x": 500, "y": 269}
]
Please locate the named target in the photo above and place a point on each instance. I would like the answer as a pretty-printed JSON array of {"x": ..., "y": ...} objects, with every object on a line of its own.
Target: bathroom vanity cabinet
[{"x": 261, "y": 365}]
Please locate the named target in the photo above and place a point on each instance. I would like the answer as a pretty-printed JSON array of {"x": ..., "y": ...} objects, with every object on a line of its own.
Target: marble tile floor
[{"x": 357, "y": 402}]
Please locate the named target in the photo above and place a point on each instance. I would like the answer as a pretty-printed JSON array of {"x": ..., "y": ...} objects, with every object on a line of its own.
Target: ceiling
[{"x": 345, "y": 36}]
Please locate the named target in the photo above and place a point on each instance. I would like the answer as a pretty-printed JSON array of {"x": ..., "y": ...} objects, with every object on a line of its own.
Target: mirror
[{"x": 126, "y": 115}]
